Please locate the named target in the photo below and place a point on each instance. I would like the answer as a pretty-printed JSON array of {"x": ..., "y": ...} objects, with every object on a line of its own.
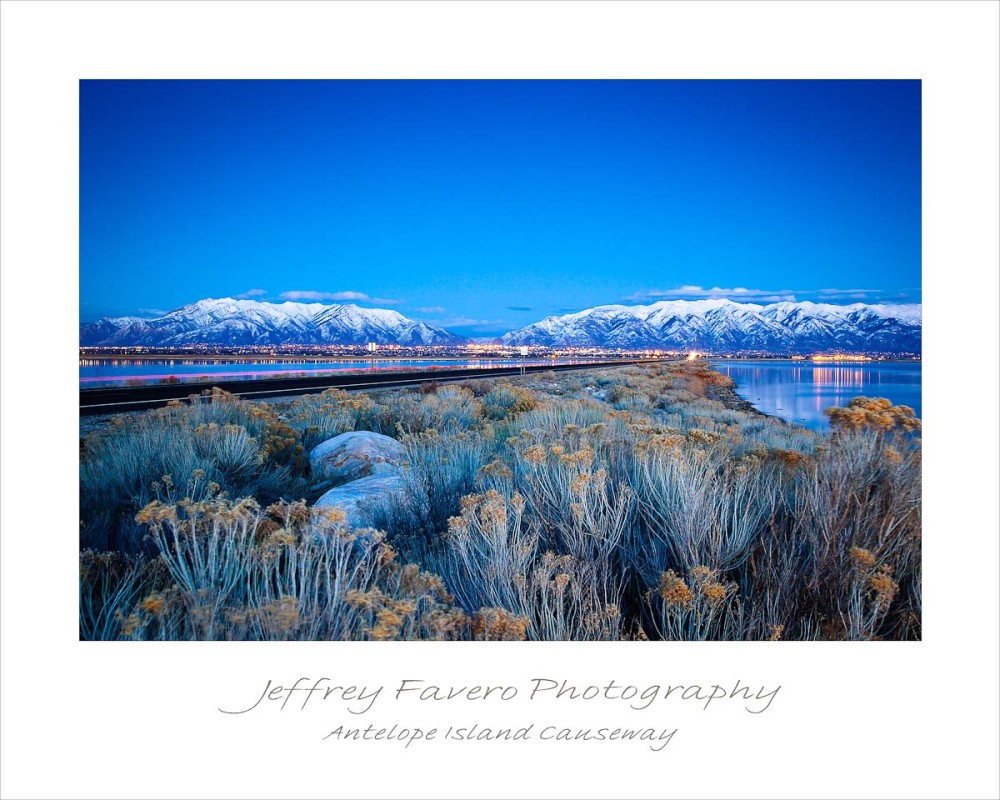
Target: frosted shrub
[
  {"x": 506, "y": 400},
  {"x": 205, "y": 547},
  {"x": 860, "y": 495},
  {"x": 562, "y": 601},
  {"x": 440, "y": 469},
  {"x": 698, "y": 609},
  {"x": 873, "y": 413},
  {"x": 109, "y": 582},
  {"x": 631, "y": 400},
  {"x": 212, "y": 406},
  {"x": 450, "y": 408},
  {"x": 235, "y": 572},
  {"x": 655, "y": 512},
  {"x": 575, "y": 505},
  {"x": 117, "y": 473},
  {"x": 554, "y": 416},
  {"x": 489, "y": 548},
  {"x": 336, "y": 411},
  {"x": 243, "y": 448},
  {"x": 230, "y": 449},
  {"x": 493, "y": 559},
  {"x": 698, "y": 508},
  {"x": 319, "y": 417}
]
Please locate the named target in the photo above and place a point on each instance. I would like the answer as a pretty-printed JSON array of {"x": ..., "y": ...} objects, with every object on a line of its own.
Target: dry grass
[{"x": 614, "y": 504}]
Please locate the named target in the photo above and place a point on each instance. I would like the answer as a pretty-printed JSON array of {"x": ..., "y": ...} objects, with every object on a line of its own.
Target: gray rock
[
  {"x": 358, "y": 498},
  {"x": 355, "y": 455}
]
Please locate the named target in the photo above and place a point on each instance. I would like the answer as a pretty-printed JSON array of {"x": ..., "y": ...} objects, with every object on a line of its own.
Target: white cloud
[
  {"x": 430, "y": 310},
  {"x": 908, "y": 295},
  {"x": 743, "y": 294},
  {"x": 152, "y": 312},
  {"x": 849, "y": 294},
  {"x": 251, "y": 293},
  {"x": 347, "y": 296},
  {"x": 467, "y": 322},
  {"x": 688, "y": 292}
]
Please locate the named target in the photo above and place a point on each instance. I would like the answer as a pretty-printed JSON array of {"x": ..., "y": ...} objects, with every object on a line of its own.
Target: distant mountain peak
[
  {"x": 723, "y": 325},
  {"x": 713, "y": 325},
  {"x": 229, "y": 321}
]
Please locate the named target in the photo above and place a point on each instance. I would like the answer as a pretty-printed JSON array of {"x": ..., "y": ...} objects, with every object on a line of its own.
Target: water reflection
[
  {"x": 802, "y": 392},
  {"x": 106, "y": 371}
]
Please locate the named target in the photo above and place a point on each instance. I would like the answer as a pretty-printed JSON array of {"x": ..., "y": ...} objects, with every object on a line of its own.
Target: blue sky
[{"x": 482, "y": 206}]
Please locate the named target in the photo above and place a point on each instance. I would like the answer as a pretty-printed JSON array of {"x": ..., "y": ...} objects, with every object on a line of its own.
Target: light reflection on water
[
  {"x": 97, "y": 372},
  {"x": 801, "y": 391}
]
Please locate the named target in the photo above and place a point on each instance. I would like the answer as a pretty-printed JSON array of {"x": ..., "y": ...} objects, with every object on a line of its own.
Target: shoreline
[
  {"x": 93, "y": 422},
  {"x": 731, "y": 400},
  {"x": 724, "y": 394}
]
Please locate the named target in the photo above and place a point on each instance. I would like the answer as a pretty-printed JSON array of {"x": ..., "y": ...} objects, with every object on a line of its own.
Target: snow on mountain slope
[
  {"x": 725, "y": 325},
  {"x": 711, "y": 325},
  {"x": 237, "y": 322}
]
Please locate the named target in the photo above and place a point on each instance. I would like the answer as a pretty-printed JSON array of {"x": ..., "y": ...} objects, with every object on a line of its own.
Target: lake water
[
  {"x": 800, "y": 391},
  {"x": 97, "y": 372}
]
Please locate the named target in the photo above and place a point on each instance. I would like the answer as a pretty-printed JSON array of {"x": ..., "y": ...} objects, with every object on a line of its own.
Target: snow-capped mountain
[
  {"x": 728, "y": 326},
  {"x": 240, "y": 322},
  {"x": 710, "y": 325}
]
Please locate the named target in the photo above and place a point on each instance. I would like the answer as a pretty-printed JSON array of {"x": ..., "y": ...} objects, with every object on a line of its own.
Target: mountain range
[
  {"x": 709, "y": 325},
  {"x": 242, "y": 322},
  {"x": 724, "y": 325}
]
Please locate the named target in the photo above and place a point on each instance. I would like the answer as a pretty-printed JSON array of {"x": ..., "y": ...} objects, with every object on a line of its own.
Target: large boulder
[
  {"x": 354, "y": 455},
  {"x": 358, "y": 498}
]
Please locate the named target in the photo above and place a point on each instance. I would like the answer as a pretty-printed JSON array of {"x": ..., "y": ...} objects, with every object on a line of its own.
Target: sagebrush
[{"x": 640, "y": 502}]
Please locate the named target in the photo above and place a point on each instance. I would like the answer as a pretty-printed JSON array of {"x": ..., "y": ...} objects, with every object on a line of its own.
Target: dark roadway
[{"x": 135, "y": 398}]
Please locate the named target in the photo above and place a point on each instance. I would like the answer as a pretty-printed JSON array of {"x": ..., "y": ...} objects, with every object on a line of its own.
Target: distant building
[{"x": 371, "y": 347}]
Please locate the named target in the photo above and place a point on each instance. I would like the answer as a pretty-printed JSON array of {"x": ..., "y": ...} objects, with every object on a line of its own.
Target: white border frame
[{"x": 127, "y": 720}]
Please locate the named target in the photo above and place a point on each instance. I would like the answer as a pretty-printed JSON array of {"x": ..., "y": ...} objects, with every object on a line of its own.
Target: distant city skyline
[{"x": 483, "y": 206}]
